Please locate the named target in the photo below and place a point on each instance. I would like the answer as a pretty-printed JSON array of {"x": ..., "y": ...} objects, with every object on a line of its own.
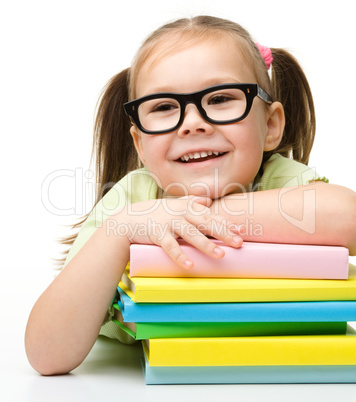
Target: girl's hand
[{"x": 162, "y": 221}]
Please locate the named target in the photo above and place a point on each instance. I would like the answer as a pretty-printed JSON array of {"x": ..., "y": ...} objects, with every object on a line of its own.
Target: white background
[{"x": 56, "y": 56}]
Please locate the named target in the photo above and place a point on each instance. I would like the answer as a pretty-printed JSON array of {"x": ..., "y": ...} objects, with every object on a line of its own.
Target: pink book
[{"x": 252, "y": 260}]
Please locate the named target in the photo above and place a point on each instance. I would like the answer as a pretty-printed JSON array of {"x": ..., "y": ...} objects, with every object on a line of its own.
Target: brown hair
[{"x": 113, "y": 147}]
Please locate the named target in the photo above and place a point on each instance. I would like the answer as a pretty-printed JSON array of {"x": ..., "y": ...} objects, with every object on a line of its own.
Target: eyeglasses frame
[{"x": 250, "y": 91}]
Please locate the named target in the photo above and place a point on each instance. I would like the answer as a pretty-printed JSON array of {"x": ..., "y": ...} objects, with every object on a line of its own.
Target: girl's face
[{"x": 239, "y": 145}]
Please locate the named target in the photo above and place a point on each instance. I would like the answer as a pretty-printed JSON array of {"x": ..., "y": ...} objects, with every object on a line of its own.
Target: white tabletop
[{"x": 113, "y": 369}]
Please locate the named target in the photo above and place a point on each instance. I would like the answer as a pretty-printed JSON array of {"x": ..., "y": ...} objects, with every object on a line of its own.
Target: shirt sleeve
[
  {"x": 280, "y": 172},
  {"x": 114, "y": 199},
  {"x": 135, "y": 187}
]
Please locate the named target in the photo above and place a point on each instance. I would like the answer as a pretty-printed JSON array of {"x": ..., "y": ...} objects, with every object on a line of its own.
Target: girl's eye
[
  {"x": 225, "y": 98},
  {"x": 164, "y": 107},
  {"x": 219, "y": 99}
]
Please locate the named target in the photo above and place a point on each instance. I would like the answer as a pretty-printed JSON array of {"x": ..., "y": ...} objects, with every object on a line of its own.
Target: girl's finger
[
  {"x": 192, "y": 235},
  {"x": 206, "y": 201},
  {"x": 170, "y": 245},
  {"x": 219, "y": 228}
]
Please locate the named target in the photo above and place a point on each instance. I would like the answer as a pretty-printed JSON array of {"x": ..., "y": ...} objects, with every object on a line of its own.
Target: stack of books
[{"x": 265, "y": 313}]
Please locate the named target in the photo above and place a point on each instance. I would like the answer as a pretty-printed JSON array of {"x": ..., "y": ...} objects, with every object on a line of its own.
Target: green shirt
[{"x": 278, "y": 172}]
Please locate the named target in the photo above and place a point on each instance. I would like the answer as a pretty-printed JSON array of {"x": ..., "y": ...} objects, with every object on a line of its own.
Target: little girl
[{"x": 218, "y": 148}]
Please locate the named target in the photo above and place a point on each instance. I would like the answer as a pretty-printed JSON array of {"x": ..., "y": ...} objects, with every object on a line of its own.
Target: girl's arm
[
  {"x": 317, "y": 213},
  {"x": 66, "y": 319}
]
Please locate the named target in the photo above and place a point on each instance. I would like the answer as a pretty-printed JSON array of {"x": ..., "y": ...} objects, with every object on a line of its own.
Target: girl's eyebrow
[{"x": 208, "y": 83}]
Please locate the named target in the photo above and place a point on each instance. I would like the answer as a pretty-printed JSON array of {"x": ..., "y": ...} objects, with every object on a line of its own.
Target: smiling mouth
[{"x": 200, "y": 156}]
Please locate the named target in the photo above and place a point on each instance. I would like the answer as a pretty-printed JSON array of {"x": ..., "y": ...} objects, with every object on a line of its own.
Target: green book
[{"x": 152, "y": 330}]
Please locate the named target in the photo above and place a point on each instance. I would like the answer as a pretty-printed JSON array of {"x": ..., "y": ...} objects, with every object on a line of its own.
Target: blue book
[{"x": 323, "y": 311}]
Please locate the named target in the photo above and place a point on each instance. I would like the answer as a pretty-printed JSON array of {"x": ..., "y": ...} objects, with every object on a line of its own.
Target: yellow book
[
  {"x": 212, "y": 290},
  {"x": 253, "y": 351}
]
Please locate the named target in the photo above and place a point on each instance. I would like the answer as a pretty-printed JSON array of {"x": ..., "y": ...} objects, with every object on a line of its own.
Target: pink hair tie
[{"x": 266, "y": 54}]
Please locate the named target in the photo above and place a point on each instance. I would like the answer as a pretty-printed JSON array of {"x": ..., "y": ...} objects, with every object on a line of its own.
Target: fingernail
[
  {"x": 188, "y": 264},
  {"x": 218, "y": 252},
  {"x": 237, "y": 240}
]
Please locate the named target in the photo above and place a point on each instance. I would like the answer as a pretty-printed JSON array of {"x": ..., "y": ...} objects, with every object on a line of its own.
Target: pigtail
[
  {"x": 113, "y": 148},
  {"x": 291, "y": 88}
]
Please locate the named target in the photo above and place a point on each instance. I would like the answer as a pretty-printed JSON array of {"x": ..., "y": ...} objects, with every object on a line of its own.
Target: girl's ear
[
  {"x": 275, "y": 126},
  {"x": 136, "y": 136}
]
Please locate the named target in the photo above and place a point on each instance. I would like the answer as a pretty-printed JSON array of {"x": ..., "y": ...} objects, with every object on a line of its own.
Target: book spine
[
  {"x": 195, "y": 330},
  {"x": 252, "y": 260},
  {"x": 253, "y": 351},
  {"x": 250, "y": 375},
  {"x": 239, "y": 292},
  {"x": 341, "y": 311}
]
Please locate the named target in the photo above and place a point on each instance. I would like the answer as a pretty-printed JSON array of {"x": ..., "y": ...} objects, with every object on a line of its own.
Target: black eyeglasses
[{"x": 221, "y": 104}]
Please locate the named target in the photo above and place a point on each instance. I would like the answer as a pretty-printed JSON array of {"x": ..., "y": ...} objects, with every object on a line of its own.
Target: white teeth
[{"x": 198, "y": 155}]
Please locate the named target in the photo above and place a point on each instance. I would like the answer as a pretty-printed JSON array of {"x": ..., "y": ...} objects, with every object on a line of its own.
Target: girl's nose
[{"x": 194, "y": 123}]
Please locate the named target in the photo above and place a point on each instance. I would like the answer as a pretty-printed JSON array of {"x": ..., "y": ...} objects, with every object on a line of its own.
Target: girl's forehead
[{"x": 172, "y": 44}]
